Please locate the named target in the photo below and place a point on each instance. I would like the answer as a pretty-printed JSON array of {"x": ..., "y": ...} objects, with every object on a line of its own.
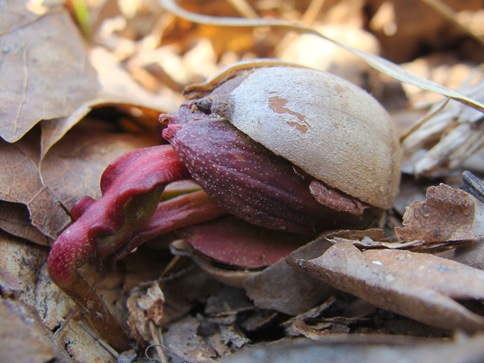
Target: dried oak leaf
[
  {"x": 447, "y": 214},
  {"x": 420, "y": 286},
  {"x": 45, "y": 66},
  {"x": 286, "y": 289},
  {"x": 20, "y": 182},
  {"x": 14, "y": 219}
]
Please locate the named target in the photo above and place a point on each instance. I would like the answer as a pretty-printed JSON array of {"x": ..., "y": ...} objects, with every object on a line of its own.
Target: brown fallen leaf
[
  {"x": 69, "y": 172},
  {"x": 117, "y": 88},
  {"x": 447, "y": 214},
  {"x": 73, "y": 167},
  {"x": 23, "y": 337},
  {"x": 286, "y": 289},
  {"x": 21, "y": 183},
  {"x": 420, "y": 286},
  {"x": 45, "y": 71},
  {"x": 14, "y": 219}
]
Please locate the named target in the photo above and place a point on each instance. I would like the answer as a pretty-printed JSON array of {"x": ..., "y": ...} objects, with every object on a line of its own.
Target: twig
[
  {"x": 473, "y": 185},
  {"x": 158, "y": 339},
  {"x": 98, "y": 339}
]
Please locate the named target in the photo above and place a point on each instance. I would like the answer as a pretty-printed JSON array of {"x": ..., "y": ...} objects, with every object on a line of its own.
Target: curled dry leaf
[
  {"x": 284, "y": 288},
  {"x": 45, "y": 65},
  {"x": 446, "y": 215},
  {"x": 420, "y": 286}
]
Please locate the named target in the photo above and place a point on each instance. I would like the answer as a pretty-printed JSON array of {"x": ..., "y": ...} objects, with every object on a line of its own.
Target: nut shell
[{"x": 330, "y": 128}]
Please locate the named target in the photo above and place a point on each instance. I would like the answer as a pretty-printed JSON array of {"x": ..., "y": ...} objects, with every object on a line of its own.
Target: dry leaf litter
[{"x": 85, "y": 81}]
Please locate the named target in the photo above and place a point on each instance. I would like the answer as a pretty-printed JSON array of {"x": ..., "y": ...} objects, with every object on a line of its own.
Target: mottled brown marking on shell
[{"x": 278, "y": 104}]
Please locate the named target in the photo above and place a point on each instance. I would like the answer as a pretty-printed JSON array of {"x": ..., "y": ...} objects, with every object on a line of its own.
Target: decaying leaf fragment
[
  {"x": 420, "y": 286},
  {"x": 145, "y": 309},
  {"x": 183, "y": 344},
  {"x": 447, "y": 214}
]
